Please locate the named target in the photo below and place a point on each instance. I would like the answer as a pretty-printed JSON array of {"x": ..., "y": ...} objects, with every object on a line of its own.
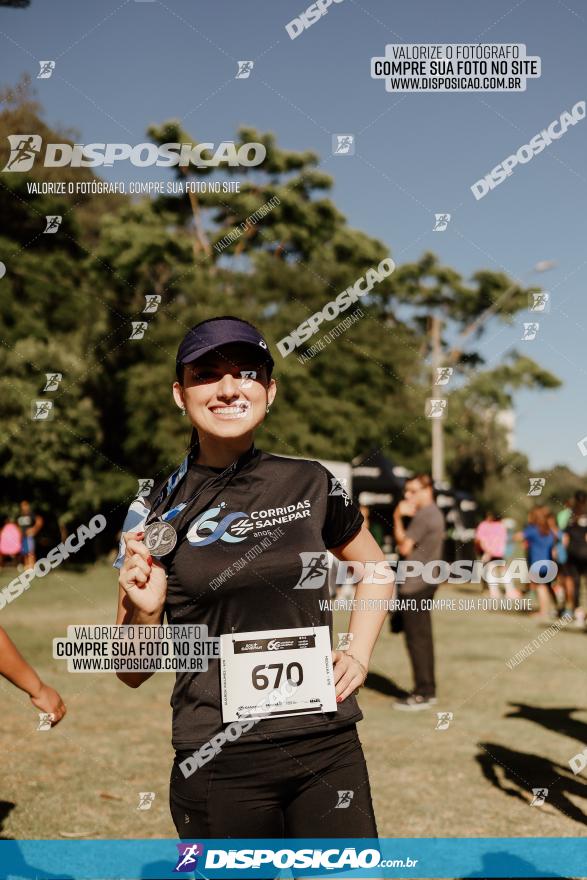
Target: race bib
[{"x": 269, "y": 675}]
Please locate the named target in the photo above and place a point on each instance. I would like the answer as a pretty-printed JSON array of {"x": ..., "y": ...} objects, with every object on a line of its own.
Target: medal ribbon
[{"x": 176, "y": 478}]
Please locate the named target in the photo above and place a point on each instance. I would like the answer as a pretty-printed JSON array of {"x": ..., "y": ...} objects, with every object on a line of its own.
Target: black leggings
[
  {"x": 575, "y": 568},
  {"x": 295, "y": 787}
]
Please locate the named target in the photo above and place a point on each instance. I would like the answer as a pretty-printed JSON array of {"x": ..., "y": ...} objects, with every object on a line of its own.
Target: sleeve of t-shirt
[
  {"x": 343, "y": 519},
  {"x": 527, "y": 532}
]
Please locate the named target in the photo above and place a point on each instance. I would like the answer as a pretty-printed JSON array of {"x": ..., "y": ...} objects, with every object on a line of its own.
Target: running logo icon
[
  {"x": 247, "y": 377},
  {"x": 188, "y": 854},
  {"x": 145, "y": 486},
  {"x": 443, "y": 375},
  {"x": 343, "y": 145},
  {"x": 444, "y": 719},
  {"x": 46, "y": 69},
  {"x": 540, "y": 302},
  {"x": 138, "y": 329},
  {"x": 53, "y": 380},
  {"x": 152, "y": 302},
  {"x": 146, "y": 798},
  {"x": 314, "y": 571},
  {"x": 42, "y": 410},
  {"x": 244, "y": 69},
  {"x": 540, "y": 795},
  {"x": 530, "y": 331},
  {"x": 45, "y": 719},
  {"x": 344, "y": 641},
  {"x": 23, "y": 151},
  {"x": 436, "y": 408},
  {"x": 53, "y": 222},
  {"x": 344, "y": 800},
  {"x": 441, "y": 222},
  {"x": 536, "y": 485}
]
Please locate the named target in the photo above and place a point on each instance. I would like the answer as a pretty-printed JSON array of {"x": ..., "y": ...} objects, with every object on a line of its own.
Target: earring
[
  {"x": 268, "y": 408},
  {"x": 183, "y": 411}
]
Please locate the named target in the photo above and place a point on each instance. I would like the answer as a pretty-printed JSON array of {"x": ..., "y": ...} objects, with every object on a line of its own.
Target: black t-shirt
[
  {"x": 209, "y": 584},
  {"x": 577, "y": 531}
]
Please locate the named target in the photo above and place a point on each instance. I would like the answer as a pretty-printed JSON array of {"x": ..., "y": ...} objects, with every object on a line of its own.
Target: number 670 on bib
[{"x": 276, "y": 674}]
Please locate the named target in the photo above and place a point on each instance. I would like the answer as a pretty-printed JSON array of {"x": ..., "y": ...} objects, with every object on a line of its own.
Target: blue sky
[{"x": 123, "y": 65}]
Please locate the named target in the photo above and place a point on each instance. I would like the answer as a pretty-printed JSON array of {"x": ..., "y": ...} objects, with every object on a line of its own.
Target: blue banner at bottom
[{"x": 410, "y": 857}]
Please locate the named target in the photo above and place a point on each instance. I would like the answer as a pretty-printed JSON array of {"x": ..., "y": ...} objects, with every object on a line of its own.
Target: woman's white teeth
[{"x": 237, "y": 411}]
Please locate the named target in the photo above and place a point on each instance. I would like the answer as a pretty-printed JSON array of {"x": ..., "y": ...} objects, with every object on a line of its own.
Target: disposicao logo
[
  {"x": 24, "y": 149},
  {"x": 331, "y": 310},
  {"x": 187, "y": 858}
]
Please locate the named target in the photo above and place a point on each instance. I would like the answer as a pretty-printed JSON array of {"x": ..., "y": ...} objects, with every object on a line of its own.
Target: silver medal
[{"x": 160, "y": 538}]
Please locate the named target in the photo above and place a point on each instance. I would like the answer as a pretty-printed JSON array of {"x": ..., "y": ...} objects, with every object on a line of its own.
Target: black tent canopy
[
  {"x": 378, "y": 483},
  {"x": 377, "y": 480}
]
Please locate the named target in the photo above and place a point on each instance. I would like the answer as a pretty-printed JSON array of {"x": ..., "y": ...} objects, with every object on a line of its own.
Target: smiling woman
[
  {"x": 234, "y": 719},
  {"x": 223, "y": 371}
]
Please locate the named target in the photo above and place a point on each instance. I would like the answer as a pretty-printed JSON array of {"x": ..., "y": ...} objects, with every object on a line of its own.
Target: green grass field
[{"x": 512, "y": 730}]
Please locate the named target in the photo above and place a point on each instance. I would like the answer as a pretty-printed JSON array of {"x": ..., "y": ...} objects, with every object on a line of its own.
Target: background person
[
  {"x": 564, "y": 587},
  {"x": 15, "y": 668},
  {"x": 576, "y": 564},
  {"x": 491, "y": 538},
  {"x": 540, "y": 537},
  {"x": 30, "y": 524},
  {"x": 422, "y": 541},
  {"x": 10, "y": 541}
]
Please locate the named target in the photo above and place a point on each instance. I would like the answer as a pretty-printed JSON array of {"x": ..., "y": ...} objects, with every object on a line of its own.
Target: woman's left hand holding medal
[{"x": 141, "y": 577}]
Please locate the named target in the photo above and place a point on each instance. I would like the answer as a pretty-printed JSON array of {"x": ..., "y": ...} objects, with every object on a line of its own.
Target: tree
[
  {"x": 49, "y": 315},
  {"x": 276, "y": 252}
]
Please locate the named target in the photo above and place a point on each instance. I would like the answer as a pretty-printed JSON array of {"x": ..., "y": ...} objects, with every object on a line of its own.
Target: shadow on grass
[
  {"x": 16, "y": 862},
  {"x": 160, "y": 869},
  {"x": 517, "y": 773},
  {"x": 492, "y": 865},
  {"x": 6, "y": 808},
  {"x": 557, "y": 720},
  {"x": 384, "y": 685}
]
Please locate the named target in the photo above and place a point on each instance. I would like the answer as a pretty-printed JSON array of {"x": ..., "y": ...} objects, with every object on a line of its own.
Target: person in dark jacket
[{"x": 421, "y": 542}]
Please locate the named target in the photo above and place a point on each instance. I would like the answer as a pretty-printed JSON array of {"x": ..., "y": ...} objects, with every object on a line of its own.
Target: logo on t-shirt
[
  {"x": 234, "y": 527},
  {"x": 206, "y": 529},
  {"x": 276, "y": 516}
]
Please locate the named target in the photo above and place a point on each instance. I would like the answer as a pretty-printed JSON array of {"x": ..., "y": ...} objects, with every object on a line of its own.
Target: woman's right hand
[
  {"x": 142, "y": 578},
  {"x": 405, "y": 508}
]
